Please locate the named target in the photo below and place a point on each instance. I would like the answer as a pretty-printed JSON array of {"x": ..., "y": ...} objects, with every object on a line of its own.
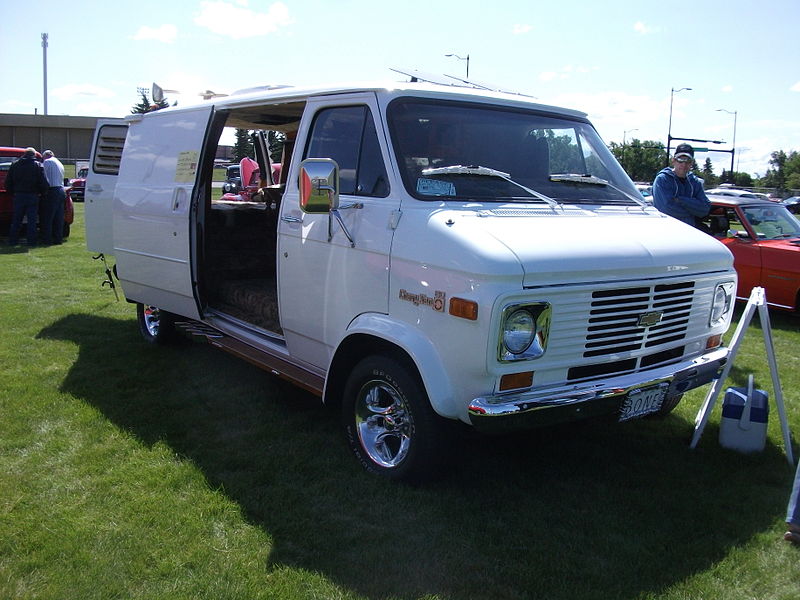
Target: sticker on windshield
[{"x": 435, "y": 187}]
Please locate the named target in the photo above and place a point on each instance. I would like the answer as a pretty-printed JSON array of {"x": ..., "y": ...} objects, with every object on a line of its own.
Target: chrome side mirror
[{"x": 319, "y": 185}]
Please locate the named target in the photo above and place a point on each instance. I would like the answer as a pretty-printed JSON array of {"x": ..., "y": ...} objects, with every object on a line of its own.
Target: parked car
[
  {"x": 733, "y": 193},
  {"x": 792, "y": 204},
  {"x": 77, "y": 186},
  {"x": 646, "y": 190},
  {"x": 764, "y": 238},
  {"x": 9, "y": 155},
  {"x": 233, "y": 179}
]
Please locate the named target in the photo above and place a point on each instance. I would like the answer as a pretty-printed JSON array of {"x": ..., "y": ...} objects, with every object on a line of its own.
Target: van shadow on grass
[{"x": 594, "y": 510}]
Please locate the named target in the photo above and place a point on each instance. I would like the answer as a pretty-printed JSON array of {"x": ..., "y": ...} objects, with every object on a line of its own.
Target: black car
[
  {"x": 793, "y": 204},
  {"x": 233, "y": 179}
]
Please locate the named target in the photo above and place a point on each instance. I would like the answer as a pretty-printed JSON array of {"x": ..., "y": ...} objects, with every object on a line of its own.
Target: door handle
[{"x": 291, "y": 219}]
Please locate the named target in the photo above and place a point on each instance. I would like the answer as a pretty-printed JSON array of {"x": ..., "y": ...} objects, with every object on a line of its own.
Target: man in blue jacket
[{"x": 678, "y": 192}]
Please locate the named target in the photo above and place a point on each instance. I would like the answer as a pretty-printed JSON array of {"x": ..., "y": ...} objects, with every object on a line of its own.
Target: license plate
[{"x": 643, "y": 402}]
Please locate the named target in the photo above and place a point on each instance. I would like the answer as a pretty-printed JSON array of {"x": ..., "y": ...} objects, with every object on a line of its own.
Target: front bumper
[{"x": 505, "y": 412}]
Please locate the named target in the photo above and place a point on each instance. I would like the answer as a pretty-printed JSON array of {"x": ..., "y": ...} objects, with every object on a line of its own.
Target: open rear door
[{"x": 109, "y": 140}]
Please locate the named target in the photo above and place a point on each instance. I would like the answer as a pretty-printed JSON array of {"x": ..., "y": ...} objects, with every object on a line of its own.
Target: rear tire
[
  {"x": 156, "y": 326},
  {"x": 389, "y": 422}
]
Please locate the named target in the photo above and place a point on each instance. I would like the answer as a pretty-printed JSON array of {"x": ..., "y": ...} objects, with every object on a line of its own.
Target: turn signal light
[
  {"x": 714, "y": 341},
  {"x": 466, "y": 309},
  {"x": 516, "y": 381}
]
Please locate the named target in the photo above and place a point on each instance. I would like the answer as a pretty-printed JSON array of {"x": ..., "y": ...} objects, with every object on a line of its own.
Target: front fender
[{"x": 420, "y": 350}]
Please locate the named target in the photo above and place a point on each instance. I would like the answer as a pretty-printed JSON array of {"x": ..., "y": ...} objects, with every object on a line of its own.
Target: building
[{"x": 70, "y": 138}]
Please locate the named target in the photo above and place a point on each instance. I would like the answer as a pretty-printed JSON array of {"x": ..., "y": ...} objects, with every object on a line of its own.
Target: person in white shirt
[{"x": 51, "y": 209}]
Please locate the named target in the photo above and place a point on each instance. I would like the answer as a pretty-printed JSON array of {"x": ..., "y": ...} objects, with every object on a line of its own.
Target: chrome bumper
[{"x": 503, "y": 412}]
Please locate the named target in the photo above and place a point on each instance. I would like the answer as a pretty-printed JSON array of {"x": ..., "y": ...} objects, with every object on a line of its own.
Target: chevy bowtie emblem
[{"x": 650, "y": 318}]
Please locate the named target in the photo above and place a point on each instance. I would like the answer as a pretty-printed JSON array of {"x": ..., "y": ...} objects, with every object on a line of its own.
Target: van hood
[{"x": 585, "y": 245}]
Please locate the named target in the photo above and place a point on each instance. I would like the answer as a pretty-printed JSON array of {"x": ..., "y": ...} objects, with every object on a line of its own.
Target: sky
[{"x": 619, "y": 61}]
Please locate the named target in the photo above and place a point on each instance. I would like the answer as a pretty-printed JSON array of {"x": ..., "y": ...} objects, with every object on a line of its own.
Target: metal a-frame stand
[{"x": 758, "y": 301}]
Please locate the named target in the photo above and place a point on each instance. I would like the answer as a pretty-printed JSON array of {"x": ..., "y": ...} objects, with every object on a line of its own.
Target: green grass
[{"x": 137, "y": 472}]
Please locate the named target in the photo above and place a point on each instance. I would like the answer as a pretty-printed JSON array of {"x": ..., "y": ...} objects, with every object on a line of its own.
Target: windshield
[
  {"x": 772, "y": 222},
  {"x": 556, "y": 157}
]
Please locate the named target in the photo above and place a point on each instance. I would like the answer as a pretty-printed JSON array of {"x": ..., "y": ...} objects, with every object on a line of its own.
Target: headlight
[
  {"x": 519, "y": 331},
  {"x": 524, "y": 331},
  {"x": 723, "y": 301}
]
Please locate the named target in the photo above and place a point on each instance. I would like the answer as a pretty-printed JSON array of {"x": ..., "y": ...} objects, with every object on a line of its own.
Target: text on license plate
[{"x": 643, "y": 402}]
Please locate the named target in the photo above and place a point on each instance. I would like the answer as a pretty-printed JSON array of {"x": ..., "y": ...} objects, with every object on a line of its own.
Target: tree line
[{"x": 643, "y": 159}]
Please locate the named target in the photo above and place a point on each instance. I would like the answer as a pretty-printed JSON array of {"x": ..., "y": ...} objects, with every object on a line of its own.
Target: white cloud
[
  {"x": 520, "y": 28},
  {"x": 239, "y": 21},
  {"x": 165, "y": 33},
  {"x": 726, "y": 89},
  {"x": 795, "y": 87},
  {"x": 643, "y": 29}
]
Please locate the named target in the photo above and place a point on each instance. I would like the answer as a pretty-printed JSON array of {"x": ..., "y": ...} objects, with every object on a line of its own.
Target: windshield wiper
[
  {"x": 594, "y": 180},
  {"x": 489, "y": 172}
]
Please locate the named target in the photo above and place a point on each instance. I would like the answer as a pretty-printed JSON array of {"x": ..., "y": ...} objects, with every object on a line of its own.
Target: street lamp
[
  {"x": 466, "y": 58},
  {"x": 733, "y": 148},
  {"x": 669, "y": 132},
  {"x": 624, "y": 133}
]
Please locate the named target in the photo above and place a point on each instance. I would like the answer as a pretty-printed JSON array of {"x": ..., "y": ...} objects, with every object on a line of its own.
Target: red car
[
  {"x": 10, "y": 155},
  {"x": 77, "y": 186},
  {"x": 764, "y": 238}
]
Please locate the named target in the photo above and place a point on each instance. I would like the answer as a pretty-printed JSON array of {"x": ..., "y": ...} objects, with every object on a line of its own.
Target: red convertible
[{"x": 764, "y": 238}]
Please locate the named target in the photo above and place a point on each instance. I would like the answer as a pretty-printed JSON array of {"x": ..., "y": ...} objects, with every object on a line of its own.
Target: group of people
[
  {"x": 39, "y": 195},
  {"x": 679, "y": 193}
]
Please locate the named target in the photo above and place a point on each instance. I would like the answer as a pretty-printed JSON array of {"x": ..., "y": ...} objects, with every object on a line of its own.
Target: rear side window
[
  {"x": 347, "y": 135},
  {"x": 108, "y": 151}
]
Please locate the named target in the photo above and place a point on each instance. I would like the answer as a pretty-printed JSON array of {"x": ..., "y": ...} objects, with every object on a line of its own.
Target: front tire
[
  {"x": 156, "y": 326},
  {"x": 389, "y": 422}
]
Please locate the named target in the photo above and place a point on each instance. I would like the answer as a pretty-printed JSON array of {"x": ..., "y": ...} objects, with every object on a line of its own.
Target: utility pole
[{"x": 44, "y": 68}]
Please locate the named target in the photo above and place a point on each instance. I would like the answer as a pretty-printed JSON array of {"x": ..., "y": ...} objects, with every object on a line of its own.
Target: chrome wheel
[
  {"x": 156, "y": 326},
  {"x": 384, "y": 423},
  {"x": 151, "y": 319}
]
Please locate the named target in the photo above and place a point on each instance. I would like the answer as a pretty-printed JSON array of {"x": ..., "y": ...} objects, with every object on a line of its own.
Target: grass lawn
[{"x": 137, "y": 472}]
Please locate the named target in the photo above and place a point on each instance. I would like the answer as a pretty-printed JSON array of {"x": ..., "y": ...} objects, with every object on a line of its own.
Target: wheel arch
[{"x": 379, "y": 334}]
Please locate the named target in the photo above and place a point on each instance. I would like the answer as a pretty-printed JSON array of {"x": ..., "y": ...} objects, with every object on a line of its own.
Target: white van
[{"x": 429, "y": 254}]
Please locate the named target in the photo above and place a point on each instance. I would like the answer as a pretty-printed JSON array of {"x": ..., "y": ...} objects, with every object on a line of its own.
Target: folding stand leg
[
  {"x": 711, "y": 398},
  {"x": 763, "y": 314}
]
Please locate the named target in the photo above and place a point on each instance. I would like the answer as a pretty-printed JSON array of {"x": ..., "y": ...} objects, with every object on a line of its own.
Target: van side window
[{"x": 347, "y": 135}]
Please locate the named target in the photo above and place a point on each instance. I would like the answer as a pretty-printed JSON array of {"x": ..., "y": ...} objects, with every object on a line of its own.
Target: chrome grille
[{"x": 618, "y": 318}]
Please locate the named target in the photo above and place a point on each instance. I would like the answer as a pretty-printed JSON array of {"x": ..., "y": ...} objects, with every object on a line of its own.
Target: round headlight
[{"x": 519, "y": 331}]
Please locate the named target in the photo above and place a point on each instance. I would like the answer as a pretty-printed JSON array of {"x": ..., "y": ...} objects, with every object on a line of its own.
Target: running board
[{"x": 260, "y": 358}]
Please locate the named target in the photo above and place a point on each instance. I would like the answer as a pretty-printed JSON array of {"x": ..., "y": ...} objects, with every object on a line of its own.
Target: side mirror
[{"x": 319, "y": 185}]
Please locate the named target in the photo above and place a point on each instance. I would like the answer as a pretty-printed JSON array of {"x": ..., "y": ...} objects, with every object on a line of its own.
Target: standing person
[
  {"x": 678, "y": 192},
  {"x": 793, "y": 511},
  {"x": 51, "y": 210},
  {"x": 26, "y": 181}
]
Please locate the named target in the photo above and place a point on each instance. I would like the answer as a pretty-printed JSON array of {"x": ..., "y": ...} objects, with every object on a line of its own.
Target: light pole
[
  {"x": 669, "y": 131},
  {"x": 733, "y": 147},
  {"x": 44, "y": 68},
  {"x": 624, "y": 133},
  {"x": 466, "y": 58}
]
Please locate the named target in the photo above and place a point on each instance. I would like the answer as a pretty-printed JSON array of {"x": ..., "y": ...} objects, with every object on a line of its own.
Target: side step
[{"x": 276, "y": 365}]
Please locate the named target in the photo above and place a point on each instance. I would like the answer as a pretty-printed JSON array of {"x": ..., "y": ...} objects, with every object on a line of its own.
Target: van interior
[{"x": 237, "y": 232}]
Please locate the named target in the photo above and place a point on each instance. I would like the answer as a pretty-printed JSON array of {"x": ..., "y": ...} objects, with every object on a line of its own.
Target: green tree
[
  {"x": 243, "y": 145},
  {"x": 707, "y": 173},
  {"x": 145, "y": 105},
  {"x": 642, "y": 160},
  {"x": 276, "y": 140}
]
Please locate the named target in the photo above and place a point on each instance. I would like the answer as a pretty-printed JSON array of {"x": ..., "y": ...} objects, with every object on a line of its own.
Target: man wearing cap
[
  {"x": 26, "y": 181},
  {"x": 51, "y": 209},
  {"x": 678, "y": 192}
]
